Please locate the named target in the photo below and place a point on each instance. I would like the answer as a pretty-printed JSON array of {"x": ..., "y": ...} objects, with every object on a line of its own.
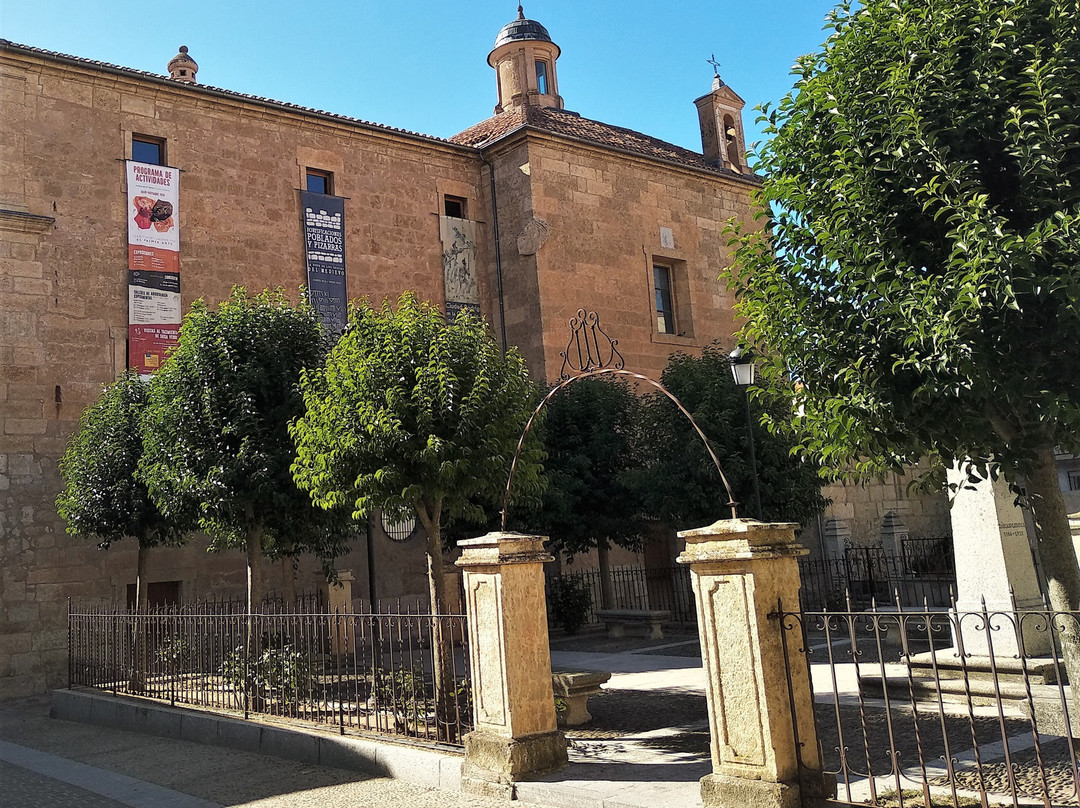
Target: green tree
[
  {"x": 920, "y": 266},
  {"x": 217, "y": 446},
  {"x": 590, "y": 436},
  {"x": 680, "y": 485},
  {"x": 414, "y": 415},
  {"x": 104, "y": 496}
]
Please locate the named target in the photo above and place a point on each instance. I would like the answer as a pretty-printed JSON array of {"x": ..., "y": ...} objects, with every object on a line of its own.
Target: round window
[{"x": 402, "y": 530}]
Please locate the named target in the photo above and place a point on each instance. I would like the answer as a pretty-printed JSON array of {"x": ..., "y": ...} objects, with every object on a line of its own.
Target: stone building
[{"x": 559, "y": 212}]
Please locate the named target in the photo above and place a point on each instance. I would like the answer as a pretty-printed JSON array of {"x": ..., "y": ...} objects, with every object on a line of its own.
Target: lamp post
[{"x": 742, "y": 369}]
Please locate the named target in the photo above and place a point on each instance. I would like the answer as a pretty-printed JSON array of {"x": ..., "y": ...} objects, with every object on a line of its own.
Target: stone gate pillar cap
[
  {"x": 739, "y": 540},
  {"x": 503, "y": 547},
  {"x": 736, "y": 526}
]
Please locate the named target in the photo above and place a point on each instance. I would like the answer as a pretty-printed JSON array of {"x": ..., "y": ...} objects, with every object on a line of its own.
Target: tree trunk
[
  {"x": 607, "y": 593},
  {"x": 288, "y": 583},
  {"x": 442, "y": 647},
  {"x": 142, "y": 606},
  {"x": 1059, "y": 561}
]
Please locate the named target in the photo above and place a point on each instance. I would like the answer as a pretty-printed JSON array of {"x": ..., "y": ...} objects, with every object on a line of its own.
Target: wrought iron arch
[{"x": 591, "y": 353}]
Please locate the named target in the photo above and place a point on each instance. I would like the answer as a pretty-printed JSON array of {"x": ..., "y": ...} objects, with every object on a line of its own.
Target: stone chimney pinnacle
[{"x": 182, "y": 67}]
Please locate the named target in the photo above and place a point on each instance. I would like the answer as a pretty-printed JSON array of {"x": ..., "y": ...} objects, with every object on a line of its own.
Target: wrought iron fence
[
  {"x": 943, "y": 708},
  {"x": 923, "y": 574},
  {"x": 404, "y": 675},
  {"x": 666, "y": 588}
]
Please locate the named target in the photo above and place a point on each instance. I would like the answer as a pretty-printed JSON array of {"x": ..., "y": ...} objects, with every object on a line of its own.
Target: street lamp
[{"x": 742, "y": 369}]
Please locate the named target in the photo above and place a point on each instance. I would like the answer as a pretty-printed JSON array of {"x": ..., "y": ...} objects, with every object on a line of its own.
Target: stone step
[
  {"x": 1045, "y": 699},
  {"x": 1039, "y": 670}
]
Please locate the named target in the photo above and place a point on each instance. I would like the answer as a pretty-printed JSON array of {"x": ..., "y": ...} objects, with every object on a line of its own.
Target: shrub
[
  {"x": 278, "y": 671},
  {"x": 570, "y": 599}
]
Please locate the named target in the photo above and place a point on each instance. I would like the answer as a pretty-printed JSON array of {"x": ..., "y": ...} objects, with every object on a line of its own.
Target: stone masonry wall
[
  {"x": 579, "y": 227},
  {"x": 604, "y": 218},
  {"x": 63, "y": 296}
]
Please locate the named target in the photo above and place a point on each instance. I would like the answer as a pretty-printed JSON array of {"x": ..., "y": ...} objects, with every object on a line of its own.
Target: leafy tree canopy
[
  {"x": 216, "y": 436},
  {"x": 411, "y": 413},
  {"x": 104, "y": 497},
  {"x": 680, "y": 484},
  {"x": 590, "y": 435},
  {"x": 920, "y": 268}
]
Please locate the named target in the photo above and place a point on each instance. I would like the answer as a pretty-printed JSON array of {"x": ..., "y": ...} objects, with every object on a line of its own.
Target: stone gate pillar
[
  {"x": 741, "y": 569},
  {"x": 513, "y": 701}
]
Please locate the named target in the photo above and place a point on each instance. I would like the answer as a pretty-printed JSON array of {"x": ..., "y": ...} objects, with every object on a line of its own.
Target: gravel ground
[
  {"x": 1059, "y": 783},
  {"x": 625, "y": 719}
]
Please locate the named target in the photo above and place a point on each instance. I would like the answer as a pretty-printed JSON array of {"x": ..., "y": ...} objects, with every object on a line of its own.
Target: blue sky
[{"x": 421, "y": 65}]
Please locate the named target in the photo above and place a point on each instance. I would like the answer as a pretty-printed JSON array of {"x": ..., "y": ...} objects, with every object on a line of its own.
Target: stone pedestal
[
  {"x": 339, "y": 602},
  {"x": 513, "y": 700},
  {"x": 993, "y": 563},
  {"x": 765, "y": 750}
]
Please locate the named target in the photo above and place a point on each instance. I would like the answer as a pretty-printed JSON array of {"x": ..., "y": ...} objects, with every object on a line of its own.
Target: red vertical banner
[{"x": 154, "y": 315}]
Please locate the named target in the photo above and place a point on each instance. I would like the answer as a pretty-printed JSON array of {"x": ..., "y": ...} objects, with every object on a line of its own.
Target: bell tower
[
  {"x": 723, "y": 141},
  {"x": 524, "y": 60}
]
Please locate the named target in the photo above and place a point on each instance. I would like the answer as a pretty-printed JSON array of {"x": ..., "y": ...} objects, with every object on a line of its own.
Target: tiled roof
[
  {"x": 545, "y": 119},
  {"x": 570, "y": 124},
  {"x": 15, "y": 46}
]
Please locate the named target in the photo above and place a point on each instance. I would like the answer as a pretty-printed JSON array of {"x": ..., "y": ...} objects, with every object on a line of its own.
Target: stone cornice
[
  {"x": 16, "y": 221},
  {"x": 526, "y": 131},
  {"x": 155, "y": 85}
]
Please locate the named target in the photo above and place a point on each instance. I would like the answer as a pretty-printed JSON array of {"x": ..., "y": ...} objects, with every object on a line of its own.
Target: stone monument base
[{"x": 494, "y": 763}]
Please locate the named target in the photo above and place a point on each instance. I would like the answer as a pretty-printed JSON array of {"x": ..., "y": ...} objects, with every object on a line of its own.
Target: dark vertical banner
[{"x": 324, "y": 247}]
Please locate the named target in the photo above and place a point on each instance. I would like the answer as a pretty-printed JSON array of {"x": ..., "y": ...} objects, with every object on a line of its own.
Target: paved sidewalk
[{"x": 47, "y": 763}]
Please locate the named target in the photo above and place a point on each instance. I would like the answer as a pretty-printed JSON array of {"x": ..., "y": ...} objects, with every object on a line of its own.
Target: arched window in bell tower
[
  {"x": 541, "y": 76},
  {"x": 731, "y": 141}
]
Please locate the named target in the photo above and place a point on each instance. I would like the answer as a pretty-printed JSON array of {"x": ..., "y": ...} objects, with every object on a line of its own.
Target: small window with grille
[{"x": 665, "y": 309}]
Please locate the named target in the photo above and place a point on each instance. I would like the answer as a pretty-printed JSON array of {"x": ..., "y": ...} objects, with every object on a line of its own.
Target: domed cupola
[{"x": 524, "y": 61}]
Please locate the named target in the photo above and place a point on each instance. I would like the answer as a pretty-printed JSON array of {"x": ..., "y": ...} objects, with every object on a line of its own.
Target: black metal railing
[
  {"x": 633, "y": 587},
  {"x": 374, "y": 673},
  {"x": 944, "y": 708},
  {"x": 923, "y": 573}
]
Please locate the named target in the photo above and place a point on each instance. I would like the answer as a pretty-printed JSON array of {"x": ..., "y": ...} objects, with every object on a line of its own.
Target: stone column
[
  {"x": 764, "y": 753},
  {"x": 513, "y": 701},
  {"x": 993, "y": 563},
  {"x": 339, "y": 602}
]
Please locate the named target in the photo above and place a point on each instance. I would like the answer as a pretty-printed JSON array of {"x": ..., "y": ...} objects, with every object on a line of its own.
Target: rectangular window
[
  {"x": 665, "y": 312},
  {"x": 541, "y": 77},
  {"x": 1074, "y": 480},
  {"x": 454, "y": 206},
  {"x": 320, "y": 182},
  {"x": 145, "y": 149}
]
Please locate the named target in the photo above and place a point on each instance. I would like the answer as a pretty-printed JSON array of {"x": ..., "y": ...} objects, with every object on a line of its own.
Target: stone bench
[
  {"x": 617, "y": 620},
  {"x": 574, "y": 690}
]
